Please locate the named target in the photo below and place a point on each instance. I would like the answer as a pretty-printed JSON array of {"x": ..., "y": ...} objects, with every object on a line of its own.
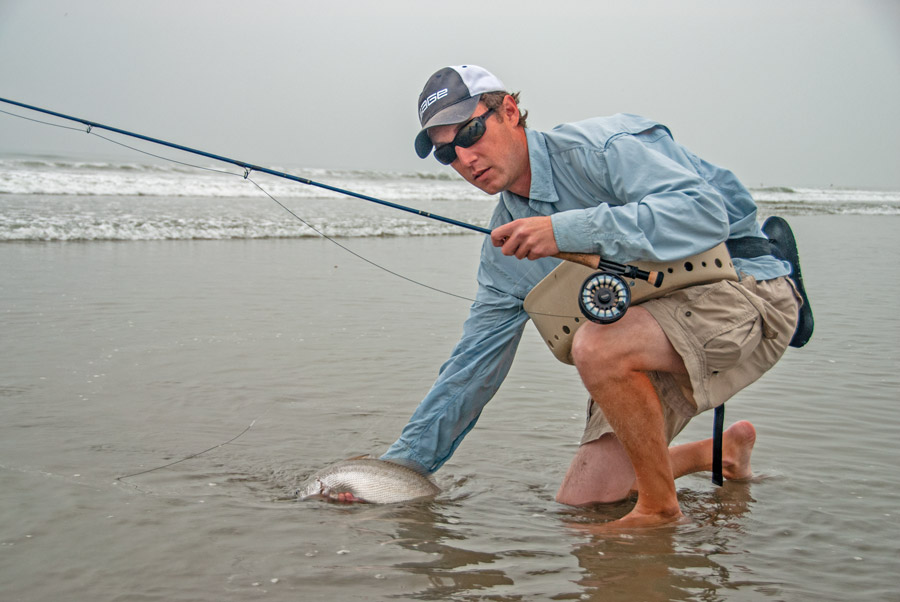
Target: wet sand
[{"x": 119, "y": 357}]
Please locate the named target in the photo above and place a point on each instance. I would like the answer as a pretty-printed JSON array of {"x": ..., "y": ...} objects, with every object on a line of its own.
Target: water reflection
[
  {"x": 424, "y": 528},
  {"x": 670, "y": 563},
  {"x": 673, "y": 563}
]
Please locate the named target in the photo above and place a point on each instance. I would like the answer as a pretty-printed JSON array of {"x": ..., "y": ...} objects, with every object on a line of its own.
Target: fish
[{"x": 368, "y": 480}]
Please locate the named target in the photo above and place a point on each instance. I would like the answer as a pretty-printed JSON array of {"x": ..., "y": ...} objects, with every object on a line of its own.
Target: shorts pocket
[
  {"x": 726, "y": 326},
  {"x": 734, "y": 346}
]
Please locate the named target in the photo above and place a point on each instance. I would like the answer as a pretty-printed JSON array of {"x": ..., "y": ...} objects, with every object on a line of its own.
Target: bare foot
[
  {"x": 737, "y": 446},
  {"x": 636, "y": 519}
]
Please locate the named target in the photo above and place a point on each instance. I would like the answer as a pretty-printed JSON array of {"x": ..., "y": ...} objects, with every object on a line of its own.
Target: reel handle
[{"x": 596, "y": 262}]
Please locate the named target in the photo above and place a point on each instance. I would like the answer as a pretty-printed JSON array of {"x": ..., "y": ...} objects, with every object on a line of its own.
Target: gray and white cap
[{"x": 450, "y": 96}]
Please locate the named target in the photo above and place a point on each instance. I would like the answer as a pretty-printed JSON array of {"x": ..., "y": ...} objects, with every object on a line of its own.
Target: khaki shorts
[{"x": 727, "y": 333}]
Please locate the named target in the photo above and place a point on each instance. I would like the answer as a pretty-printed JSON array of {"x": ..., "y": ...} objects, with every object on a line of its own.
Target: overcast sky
[{"x": 790, "y": 93}]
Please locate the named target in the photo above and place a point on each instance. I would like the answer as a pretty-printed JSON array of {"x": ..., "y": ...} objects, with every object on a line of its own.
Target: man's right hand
[{"x": 526, "y": 238}]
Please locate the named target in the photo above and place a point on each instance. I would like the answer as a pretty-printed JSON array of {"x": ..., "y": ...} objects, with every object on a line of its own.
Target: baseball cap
[{"x": 450, "y": 96}]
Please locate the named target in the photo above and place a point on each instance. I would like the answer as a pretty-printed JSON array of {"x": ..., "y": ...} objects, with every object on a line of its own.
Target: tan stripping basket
[{"x": 553, "y": 303}]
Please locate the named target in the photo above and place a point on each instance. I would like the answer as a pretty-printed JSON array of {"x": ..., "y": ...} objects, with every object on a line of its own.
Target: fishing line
[
  {"x": 190, "y": 457},
  {"x": 122, "y": 144},
  {"x": 351, "y": 251},
  {"x": 56, "y": 125},
  {"x": 246, "y": 176},
  {"x": 248, "y": 168}
]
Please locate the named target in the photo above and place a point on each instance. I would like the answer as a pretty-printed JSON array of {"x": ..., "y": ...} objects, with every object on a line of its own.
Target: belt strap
[{"x": 749, "y": 247}]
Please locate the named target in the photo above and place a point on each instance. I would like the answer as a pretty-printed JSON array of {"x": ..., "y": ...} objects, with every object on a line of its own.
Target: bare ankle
[{"x": 643, "y": 518}]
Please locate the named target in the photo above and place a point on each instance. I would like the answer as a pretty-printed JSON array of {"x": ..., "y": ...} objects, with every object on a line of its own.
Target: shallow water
[{"x": 121, "y": 357}]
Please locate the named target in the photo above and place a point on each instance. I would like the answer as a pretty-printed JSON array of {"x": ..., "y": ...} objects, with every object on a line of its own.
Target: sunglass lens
[
  {"x": 470, "y": 133},
  {"x": 445, "y": 154},
  {"x": 467, "y": 135}
]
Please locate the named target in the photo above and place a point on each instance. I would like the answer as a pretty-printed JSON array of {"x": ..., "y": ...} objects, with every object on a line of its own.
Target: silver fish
[{"x": 368, "y": 480}]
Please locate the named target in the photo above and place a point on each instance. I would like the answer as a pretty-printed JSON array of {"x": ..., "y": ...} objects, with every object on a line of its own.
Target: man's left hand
[{"x": 529, "y": 237}]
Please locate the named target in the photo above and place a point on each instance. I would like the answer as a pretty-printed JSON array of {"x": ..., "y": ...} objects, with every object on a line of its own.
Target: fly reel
[{"x": 604, "y": 297}]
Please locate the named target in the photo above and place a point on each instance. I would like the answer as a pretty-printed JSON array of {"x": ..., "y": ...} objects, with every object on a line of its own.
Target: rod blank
[{"x": 248, "y": 167}]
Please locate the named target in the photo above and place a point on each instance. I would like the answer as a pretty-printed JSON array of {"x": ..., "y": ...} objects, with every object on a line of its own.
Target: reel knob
[{"x": 604, "y": 298}]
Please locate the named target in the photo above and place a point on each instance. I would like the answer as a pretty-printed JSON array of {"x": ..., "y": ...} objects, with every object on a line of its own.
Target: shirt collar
[{"x": 542, "y": 188}]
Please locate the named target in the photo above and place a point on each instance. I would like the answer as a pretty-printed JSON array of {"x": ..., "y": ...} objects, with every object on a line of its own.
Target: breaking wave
[{"x": 56, "y": 199}]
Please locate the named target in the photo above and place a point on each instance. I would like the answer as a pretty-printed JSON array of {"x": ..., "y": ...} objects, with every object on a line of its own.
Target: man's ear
[{"x": 510, "y": 109}]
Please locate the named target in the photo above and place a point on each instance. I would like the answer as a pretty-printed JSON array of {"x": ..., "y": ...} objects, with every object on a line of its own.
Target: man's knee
[
  {"x": 608, "y": 347},
  {"x": 590, "y": 344},
  {"x": 634, "y": 343},
  {"x": 600, "y": 473}
]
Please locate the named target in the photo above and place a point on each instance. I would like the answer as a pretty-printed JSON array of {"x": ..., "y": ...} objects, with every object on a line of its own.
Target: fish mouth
[{"x": 314, "y": 490}]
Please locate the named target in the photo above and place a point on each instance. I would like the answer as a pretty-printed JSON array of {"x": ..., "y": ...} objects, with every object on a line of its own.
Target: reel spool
[{"x": 604, "y": 298}]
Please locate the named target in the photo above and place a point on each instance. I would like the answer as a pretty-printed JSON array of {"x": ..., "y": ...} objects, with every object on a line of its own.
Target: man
[{"x": 620, "y": 187}]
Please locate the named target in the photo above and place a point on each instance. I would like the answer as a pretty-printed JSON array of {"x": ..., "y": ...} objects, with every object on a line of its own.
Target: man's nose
[{"x": 465, "y": 155}]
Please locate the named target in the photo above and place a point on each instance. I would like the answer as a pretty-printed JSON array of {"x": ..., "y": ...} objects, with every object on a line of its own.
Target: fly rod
[
  {"x": 248, "y": 167},
  {"x": 606, "y": 295}
]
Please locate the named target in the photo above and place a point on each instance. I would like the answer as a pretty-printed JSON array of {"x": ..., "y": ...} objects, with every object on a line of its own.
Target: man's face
[{"x": 499, "y": 160}]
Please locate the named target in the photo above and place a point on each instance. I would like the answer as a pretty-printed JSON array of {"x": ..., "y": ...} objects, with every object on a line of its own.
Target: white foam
[{"x": 54, "y": 199}]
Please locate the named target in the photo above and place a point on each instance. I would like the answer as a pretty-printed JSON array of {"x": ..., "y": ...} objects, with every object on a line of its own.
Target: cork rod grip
[
  {"x": 591, "y": 261},
  {"x": 595, "y": 262}
]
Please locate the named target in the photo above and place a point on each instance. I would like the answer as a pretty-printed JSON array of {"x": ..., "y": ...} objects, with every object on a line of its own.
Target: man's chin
[{"x": 486, "y": 185}]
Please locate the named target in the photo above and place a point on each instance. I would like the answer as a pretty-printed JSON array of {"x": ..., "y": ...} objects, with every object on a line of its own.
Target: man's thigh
[
  {"x": 728, "y": 334},
  {"x": 635, "y": 342}
]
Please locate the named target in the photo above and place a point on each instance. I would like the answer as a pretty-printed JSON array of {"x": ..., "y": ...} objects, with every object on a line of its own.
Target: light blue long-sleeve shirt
[{"x": 617, "y": 186}]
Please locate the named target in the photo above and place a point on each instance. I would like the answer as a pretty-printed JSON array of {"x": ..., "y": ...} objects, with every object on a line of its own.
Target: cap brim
[{"x": 453, "y": 114}]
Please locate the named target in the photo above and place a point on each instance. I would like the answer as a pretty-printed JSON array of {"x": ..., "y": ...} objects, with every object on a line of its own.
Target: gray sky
[{"x": 792, "y": 93}]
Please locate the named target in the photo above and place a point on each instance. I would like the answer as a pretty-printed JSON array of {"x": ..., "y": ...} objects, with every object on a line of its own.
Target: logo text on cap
[{"x": 432, "y": 98}]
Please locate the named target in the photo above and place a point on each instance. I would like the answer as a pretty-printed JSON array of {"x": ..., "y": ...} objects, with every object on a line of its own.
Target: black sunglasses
[{"x": 467, "y": 135}]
